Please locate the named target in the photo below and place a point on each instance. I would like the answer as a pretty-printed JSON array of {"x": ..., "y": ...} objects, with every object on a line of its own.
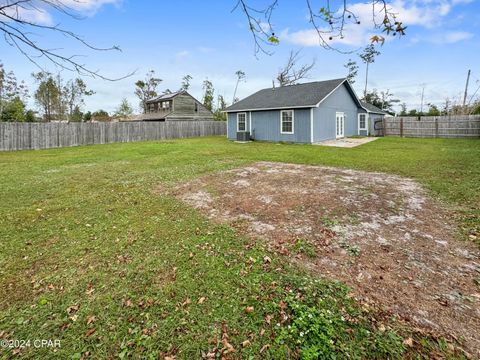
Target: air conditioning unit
[{"x": 243, "y": 136}]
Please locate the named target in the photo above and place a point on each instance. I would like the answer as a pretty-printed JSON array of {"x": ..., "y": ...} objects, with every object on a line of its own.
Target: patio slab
[{"x": 347, "y": 142}]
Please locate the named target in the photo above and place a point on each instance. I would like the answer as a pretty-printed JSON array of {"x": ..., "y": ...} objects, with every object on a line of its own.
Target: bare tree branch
[
  {"x": 290, "y": 74},
  {"x": 17, "y": 32},
  {"x": 330, "y": 24}
]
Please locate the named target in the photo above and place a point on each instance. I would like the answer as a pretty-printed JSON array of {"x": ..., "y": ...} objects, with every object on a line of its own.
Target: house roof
[
  {"x": 165, "y": 96},
  {"x": 372, "y": 108},
  {"x": 300, "y": 95}
]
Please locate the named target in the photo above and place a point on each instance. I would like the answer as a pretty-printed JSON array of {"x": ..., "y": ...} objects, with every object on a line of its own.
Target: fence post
[
  {"x": 401, "y": 127},
  {"x": 436, "y": 127}
]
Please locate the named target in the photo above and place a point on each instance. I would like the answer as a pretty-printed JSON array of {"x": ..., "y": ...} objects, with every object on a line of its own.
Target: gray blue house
[{"x": 303, "y": 113}]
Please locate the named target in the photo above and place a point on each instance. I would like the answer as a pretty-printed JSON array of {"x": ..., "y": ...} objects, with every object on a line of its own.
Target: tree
[
  {"x": 48, "y": 94},
  {"x": 388, "y": 101},
  {"x": 290, "y": 74},
  {"x": 328, "y": 22},
  {"x": 10, "y": 89},
  {"x": 87, "y": 116},
  {"x": 368, "y": 57},
  {"x": 384, "y": 100},
  {"x": 100, "y": 115},
  {"x": 124, "y": 109},
  {"x": 240, "y": 77},
  {"x": 14, "y": 110},
  {"x": 186, "y": 83},
  {"x": 76, "y": 115},
  {"x": 147, "y": 89},
  {"x": 208, "y": 93},
  {"x": 433, "y": 110},
  {"x": 73, "y": 94},
  {"x": 22, "y": 33},
  {"x": 403, "y": 111},
  {"x": 352, "y": 68},
  {"x": 218, "y": 114}
]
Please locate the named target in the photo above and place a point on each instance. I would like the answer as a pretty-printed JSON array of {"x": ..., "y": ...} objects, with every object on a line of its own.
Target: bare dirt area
[{"x": 380, "y": 234}]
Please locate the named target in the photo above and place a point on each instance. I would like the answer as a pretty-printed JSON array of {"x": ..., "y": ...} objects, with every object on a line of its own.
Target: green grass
[{"x": 83, "y": 235}]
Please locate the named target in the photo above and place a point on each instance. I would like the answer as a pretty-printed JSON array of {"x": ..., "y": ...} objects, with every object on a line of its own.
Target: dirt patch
[{"x": 378, "y": 233}]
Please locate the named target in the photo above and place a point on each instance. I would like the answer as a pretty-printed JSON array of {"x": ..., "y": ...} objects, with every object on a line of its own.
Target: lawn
[{"x": 92, "y": 256}]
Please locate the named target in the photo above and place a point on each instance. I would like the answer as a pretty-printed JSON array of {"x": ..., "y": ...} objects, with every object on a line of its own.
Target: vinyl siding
[
  {"x": 324, "y": 116},
  {"x": 266, "y": 126}
]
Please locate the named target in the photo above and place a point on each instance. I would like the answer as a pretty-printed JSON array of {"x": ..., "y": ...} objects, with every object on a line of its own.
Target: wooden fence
[
  {"x": 22, "y": 136},
  {"x": 455, "y": 126}
]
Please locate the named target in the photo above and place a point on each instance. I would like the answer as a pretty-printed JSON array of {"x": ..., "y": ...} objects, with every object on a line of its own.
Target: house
[
  {"x": 179, "y": 105},
  {"x": 374, "y": 117},
  {"x": 303, "y": 113}
]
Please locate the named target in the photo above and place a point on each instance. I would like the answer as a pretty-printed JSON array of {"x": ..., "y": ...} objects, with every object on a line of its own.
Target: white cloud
[
  {"x": 425, "y": 13},
  {"x": 42, "y": 14},
  {"x": 456, "y": 36}
]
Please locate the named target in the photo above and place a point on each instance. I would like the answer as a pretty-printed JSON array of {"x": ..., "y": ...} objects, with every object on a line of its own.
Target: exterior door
[{"x": 340, "y": 125}]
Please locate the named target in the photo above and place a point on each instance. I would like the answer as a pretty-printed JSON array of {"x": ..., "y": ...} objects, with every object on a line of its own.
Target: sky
[{"x": 207, "y": 40}]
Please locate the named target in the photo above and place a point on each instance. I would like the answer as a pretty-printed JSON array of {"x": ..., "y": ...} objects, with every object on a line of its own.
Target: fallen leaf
[
  {"x": 266, "y": 259},
  {"x": 264, "y": 347},
  {"x": 268, "y": 319},
  {"x": 262, "y": 332},
  {"x": 408, "y": 342},
  {"x": 91, "y": 319},
  {"x": 249, "y": 309},
  {"x": 72, "y": 309},
  {"x": 246, "y": 343},
  {"x": 201, "y": 300},
  {"x": 90, "y": 332}
]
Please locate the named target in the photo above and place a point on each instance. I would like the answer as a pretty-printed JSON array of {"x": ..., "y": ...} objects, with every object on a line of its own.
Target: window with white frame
[
  {"x": 241, "y": 122},
  {"x": 166, "y": 104},
  {"x": 362, "y": 121},
  {"x": 286, "y": 122}
]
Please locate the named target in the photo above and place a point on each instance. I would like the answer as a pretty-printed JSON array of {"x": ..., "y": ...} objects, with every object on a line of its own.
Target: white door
[{"x": 340, "y": 125}]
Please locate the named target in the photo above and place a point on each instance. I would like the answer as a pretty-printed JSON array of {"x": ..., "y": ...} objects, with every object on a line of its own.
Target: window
[
  {"x": 241, "y": 122},
  {"x": 362, "y": 121},
  {"x": 166, "y": 104},
  {"x": 151, "y": 107},
  {"x": 286, "y": 122},
  {"x": 196, "y": 106}
]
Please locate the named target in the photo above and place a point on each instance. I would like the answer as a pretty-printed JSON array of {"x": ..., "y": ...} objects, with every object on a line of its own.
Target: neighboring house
[
  {"x": 374, "y": 117},
  {"x": 303, "y": 113},
  {"x": 176, "y": 106}
]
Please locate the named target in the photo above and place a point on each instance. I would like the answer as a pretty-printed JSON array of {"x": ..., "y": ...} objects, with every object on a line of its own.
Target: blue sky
[{"x": 206, "y": 40}]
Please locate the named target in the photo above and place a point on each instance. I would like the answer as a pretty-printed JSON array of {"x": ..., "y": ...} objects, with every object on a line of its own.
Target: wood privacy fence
[
  {"x": 22, "y": 136},
  {"x": 454, "y": 126}
]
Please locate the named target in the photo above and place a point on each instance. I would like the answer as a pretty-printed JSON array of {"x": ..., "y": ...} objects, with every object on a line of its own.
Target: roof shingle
[{"x": 300, "y": 95}]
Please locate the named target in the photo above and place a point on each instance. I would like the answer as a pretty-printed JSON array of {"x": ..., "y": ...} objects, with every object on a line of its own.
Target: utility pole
[
  {"x": 421, "y": 103},
  {"x": 466, "y": 91}
]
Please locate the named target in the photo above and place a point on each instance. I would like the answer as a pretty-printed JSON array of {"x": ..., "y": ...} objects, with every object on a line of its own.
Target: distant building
[{"x": 177, "y": 106}]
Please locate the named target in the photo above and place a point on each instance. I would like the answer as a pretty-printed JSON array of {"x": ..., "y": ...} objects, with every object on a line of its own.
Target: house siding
[
  {"x": 265, "y": 126},
  {"x": 184, "y": 109},
  {"x": 324, "y": 116}
]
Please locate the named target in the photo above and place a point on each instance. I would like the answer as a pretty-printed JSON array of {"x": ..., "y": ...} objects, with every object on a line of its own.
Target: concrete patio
[{"x": 347, "y": 142}]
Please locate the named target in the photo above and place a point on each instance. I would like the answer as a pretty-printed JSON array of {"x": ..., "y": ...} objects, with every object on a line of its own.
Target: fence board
[
  {"x": 23, "y": 136},
  {"x": 454, "y": 126}
]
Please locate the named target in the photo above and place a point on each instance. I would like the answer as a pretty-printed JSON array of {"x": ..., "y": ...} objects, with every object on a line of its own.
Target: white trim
[
  {"x": 293, "y": 122},
  {"x": 311, "y": 125},
  {"x": 366, "y": 123},
  {"x": 342, "y": 114},
  {"x": 244, "y": 130},
  {"x": 272, "y": 108},
  {"x": 250, "y": 122}
]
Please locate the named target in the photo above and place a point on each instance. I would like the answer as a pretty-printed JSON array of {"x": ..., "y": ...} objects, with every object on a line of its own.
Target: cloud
[
  {"x": 41, "y": 13},
  {"x": 453, "y": 37},
  {"x": 424, "y": 13},
  {"x": 179, "y": 56}
]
